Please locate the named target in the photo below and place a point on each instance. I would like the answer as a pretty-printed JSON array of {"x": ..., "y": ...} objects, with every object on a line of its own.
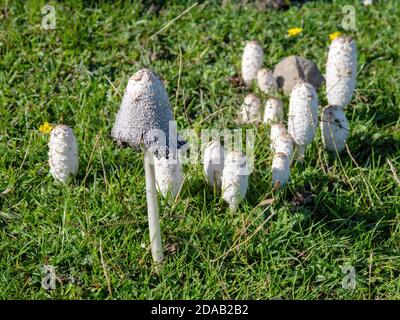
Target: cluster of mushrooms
[
  {"x": 144, "y": 122},
  {"x": 300, "y": 78}
]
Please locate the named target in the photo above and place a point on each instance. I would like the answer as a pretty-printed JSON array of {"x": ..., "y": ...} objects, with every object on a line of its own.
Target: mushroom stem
[
  {"x": 152, "y": 208},
  {"x": 301, "y": 150}
]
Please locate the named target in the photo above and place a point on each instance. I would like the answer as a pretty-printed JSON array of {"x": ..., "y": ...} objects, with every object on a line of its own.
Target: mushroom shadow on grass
[{"x": 145, "y": 121}]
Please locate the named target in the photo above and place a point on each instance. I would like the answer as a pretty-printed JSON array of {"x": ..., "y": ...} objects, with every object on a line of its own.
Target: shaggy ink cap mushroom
[
  {"x": 145, "y": 116},
  {"x": 341, "y": 71},
  {"x": 63, "y": 153}
]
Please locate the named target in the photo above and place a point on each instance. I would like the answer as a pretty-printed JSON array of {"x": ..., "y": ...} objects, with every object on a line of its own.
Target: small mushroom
[
  {"x": 251, "y": 110},
  {"x": 280, "y": 169},
  {"x": 145, "y": 119},
  {"x": 334, "y": 128},
  {"x": 277, "y": 130},
  {"x": 266, "y": 81},
  {"x": 273, "y": 112},
  {"x": 284, "y": 144},
  {"x": 63, "y": 153},
  {"x": 214, "y": 163},
  {"x": 252, "y": 60},
  {"x": 235, "y": 179},
  {"x": 169, "y": 176}
]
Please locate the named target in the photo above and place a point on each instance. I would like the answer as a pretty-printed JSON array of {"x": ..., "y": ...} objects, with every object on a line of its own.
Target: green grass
[{"x": 61, "y": 75}]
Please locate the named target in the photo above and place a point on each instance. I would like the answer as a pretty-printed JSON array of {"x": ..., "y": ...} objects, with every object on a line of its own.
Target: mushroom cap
[
  {"x": 284, "y": 144},
  {"x": 334, "y": 128},
  {"x": 63, "y": 153},
  {"x": 169, "y": 176},
  {"x": 280, "y": 169},
  {"x": 341, "y": 71},
  {"x": 266, "y": 81},
  {"x": 145, "y": 116},
  {"x": 303, "y": 113},
  {"x": 252, "y": 60},
  {"x": 277, "y": 129},
  {"x": 235, "y": 179},
  {"x": 251, "y": 109},
  {"x": 273, "y": 111},
  {"x": 214, "y": 158}
]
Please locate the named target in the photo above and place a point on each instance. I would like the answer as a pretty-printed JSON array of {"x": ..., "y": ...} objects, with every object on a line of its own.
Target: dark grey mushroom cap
[{"x": 145, "y": 116}]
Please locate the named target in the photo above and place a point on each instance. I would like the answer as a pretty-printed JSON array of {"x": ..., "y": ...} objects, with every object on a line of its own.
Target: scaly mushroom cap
[
  {"x": 144, "y": 115},
  {"x": 169, "y": 176},
  {"x": 334, "y": 128},
  {"x": 284, "y": 144},
  {"x": 303, "y": 114},
  {"x": 280, "y": 169},
  {"x": 63, "y": 153},
  {"x": 234, "y": 179},
  {"x": 252, "y": 60},
  {"x": 273, "y": 112},
  {"x": 277, "y": 129},
  {"x": 341, "y": 71},
  {"x": 251, "y": 109},
  {"x": 214, "y": 163},
  {"x": 266, "y": 81}
]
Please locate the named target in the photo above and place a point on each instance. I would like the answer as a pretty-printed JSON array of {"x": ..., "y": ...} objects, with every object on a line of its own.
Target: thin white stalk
[{"x": 152, "y": 208}]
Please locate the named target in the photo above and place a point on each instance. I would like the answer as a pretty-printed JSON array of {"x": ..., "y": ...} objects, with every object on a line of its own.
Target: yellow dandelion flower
[
  {"x": 294, "y": 32},
  {"x": 45, "y": 128},
  {"x": 334, "y": 35}
]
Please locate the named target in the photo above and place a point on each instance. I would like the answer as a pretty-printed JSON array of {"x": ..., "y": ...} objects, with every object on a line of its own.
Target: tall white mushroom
[
  {"x": 234, "y": 179},
  {"x": 252, "y": 60},
  {"x": 63, "y": 153},
  {"x": 169, "y": 176},
  {"x": 273, "y": 111},
  {"x": 214, "y": 163},
  {"x": 341, "y": 71},
  {"x": 251, "y": 110},
  {"x": 334, "y": 128},
  {"x": 144, "y": 120},
  {"x": 303, "y": 116},
  {"x": 266, "y": 81}
]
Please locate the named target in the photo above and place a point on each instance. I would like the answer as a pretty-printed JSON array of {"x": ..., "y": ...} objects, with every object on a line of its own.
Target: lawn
[{"x": 334, "y": 212}]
